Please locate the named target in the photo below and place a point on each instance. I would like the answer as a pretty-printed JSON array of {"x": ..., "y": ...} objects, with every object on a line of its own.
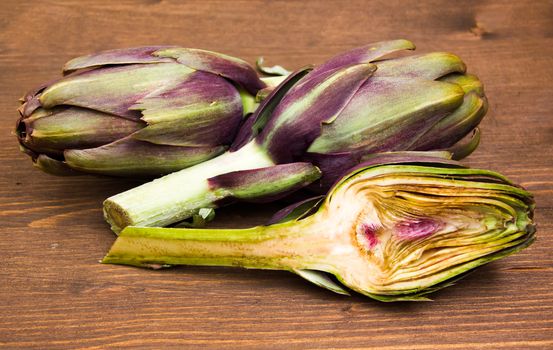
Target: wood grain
[{"x": 55, "y": 295}]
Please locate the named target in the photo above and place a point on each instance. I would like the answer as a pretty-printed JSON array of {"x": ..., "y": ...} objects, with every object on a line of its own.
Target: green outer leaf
[
  {"x": 430, "y": 66},
  {"x": 129, "y": 157},
  {"x": 54, "y": 167},
  {"x": 388, "y": 114},
  {"x": 448, "y": 131},
  {"x": 466, "y": 146},
  {"x": 265, "y": 182},
  {"x": 74, "y": 127},
  {"x": 274, "y": 70},
  {"x": 321, "y": 279},
  {"x": 235, "y": 69},
  {"x": 113, "y": 90},
  {"x": 469, "y": 82},
  {"x": 133, "y": 55}
]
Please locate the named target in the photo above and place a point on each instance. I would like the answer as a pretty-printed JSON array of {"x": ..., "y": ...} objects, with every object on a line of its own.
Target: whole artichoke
[
  {"x": 358, "y": 104},
  {"x": 325, "y": 121},
  {"x": 144, "y": 111}
]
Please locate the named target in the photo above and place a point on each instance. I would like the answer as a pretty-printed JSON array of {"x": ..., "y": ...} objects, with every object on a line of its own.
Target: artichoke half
[
  {"x": 389, "y": 231},
  {"x": 144, "y": 111},
  {"x": 317, "y": 124}
]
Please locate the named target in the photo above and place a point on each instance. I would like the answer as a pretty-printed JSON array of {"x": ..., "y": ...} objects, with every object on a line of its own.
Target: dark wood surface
[{"x": 55, "y": 295}]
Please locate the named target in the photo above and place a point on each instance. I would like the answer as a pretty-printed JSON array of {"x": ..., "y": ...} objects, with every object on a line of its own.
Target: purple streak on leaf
[
  {"x": 257, "y": 121},
  {"x": 31, "y": 99},
  {"x": 364, "y": 54},
  {"x": 245, "y": 134},
  {"x": 335, "y": 166},
  {"x": 31, "y": 94},
  {"x": 34, "y": 92},
  {"x": 265, "y": 184},
  {"x": 114, "y": 89},
  {"x": 419, "y": 228},
  {"x": 128, "y": 157},
  {"x": 203, "y": 110},
  {"x": 31, "y": 105},
  {"x": 72, "y": 127},
  {"x": 306, "y": 107},
  {"x": 297, "y": 210},
  {"x": 229, "y": 67},
  {"x": 116, "y": 57}
]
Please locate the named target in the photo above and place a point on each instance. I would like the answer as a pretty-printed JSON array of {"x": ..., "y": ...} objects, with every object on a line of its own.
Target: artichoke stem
[
  {"x": 179, "y": 195},
  {"x": 280, "y": 246}
]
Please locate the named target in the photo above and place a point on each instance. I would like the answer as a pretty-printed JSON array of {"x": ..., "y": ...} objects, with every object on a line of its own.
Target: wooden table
[{"x": 55, "y": 295}]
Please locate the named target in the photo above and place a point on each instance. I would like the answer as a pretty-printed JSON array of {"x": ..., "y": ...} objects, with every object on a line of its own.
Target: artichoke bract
[
  {"x": 144, "y": 111},
  {"x": 393, "y": 229},
  {"x": 332, "y": 118}
]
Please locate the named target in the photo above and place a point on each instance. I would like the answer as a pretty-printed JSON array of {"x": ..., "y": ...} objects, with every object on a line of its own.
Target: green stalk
[
  {"x": 280, "y": 246},
  {"x": 249, "y": 104},
  {"x": 179, "y": 195}
]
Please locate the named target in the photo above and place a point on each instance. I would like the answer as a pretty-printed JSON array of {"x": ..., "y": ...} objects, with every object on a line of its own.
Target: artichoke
[
  {"x": 144, "y": 111},
  {"x": 319, "y": 123},
  {"x": 396, "y": 228}
]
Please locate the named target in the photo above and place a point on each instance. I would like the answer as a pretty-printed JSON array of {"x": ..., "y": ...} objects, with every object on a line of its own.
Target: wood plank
[{"x": 55, "y": 294}]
